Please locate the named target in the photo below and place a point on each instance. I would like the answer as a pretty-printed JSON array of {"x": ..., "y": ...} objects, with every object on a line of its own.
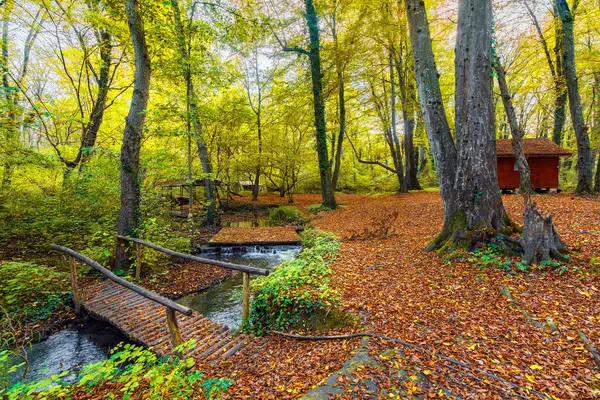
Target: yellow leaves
[
  {"x": 536, "y": 367},
  {"x": 530, "y": 378},
  {"x": 472, "y": 347},
  {"x": 426, "y": 372},
  {"x": 586, "y": 294}
]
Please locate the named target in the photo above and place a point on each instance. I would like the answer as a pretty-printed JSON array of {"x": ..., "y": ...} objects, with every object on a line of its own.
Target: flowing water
[
  {"x": 68, "y": 350},
  {"x": 71, "y": 349},
  {"x": 223, "y": 303}
]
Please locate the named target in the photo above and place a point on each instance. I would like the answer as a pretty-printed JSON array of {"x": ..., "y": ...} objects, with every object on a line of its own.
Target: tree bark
[
  {"x": 339, "y": 69},
  {"x": 129, "y": 213},
  {"x": 477, "y": 181},
  {"x": 327, "y": 190},
  {"x": 194, "y": 117},
  {"x": 473, "y": 210},
  {"x": 517, "y": 132},
  {"x": 407, "y": 98},
  {"x": 597, "y": 126},
  {"x": 393, "y": 141},
  {"x": 434, "y": 115},
  {"x": 584, "y": 156}
]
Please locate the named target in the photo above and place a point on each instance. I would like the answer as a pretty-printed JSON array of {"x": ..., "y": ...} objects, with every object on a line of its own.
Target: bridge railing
[
  {"x": 246, "y": 270},
  {"x": 170, "y": 306}
]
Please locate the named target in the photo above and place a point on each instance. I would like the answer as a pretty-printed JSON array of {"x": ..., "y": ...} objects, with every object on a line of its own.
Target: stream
[
  {"x": 223, "y": 303},
  {"x": 72, "y": 348}
]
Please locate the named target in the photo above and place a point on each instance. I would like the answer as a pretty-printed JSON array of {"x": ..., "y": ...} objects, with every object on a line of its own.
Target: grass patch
[{"x": 284, "y": 215}]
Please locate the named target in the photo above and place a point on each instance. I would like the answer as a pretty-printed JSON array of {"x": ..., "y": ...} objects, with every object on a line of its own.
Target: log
[
  {"x": 124, "y": 282},
  {"x": 246, "y": 298},
  {"x": 235, "y": 267},
  {"x": 173, "y": 328}
]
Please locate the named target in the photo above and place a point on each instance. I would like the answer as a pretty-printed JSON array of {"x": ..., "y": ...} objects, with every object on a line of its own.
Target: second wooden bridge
[{"x": 155, "y": 321}]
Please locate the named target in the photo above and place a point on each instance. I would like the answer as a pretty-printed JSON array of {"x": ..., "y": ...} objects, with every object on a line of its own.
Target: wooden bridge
[{"x": 155, "y": 321}]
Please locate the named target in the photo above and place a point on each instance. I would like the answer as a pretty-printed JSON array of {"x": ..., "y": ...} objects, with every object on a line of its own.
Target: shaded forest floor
[{"x": 449, "y": 307}]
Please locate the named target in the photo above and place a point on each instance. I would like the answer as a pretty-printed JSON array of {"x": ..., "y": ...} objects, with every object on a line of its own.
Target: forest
[{"x": 293, "y": 199}]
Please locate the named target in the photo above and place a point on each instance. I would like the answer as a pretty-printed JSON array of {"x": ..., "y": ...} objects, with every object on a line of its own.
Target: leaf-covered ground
[
  {"x": 256, "y": 235},
  {"x": 450, "y": 308}
]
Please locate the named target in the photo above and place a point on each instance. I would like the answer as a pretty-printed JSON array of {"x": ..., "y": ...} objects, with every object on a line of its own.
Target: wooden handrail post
[
  {"x": 246, "y": 297},
  {"x": 75, "y": 292},
  {"x": 173, "y": 327},
  {"x": 138, "y": 261}
]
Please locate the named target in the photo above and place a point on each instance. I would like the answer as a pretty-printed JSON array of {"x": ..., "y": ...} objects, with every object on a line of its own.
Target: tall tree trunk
[
  {"x": 407, "y": 97},
  {"x": 129, "y": 213},
  {"x": 90, "y": 134},
  {"x": 473, "y": 210},
  {"x": 194, "y": 116},
  {"x": 597, "y": 126},
  {"x": 256, "y": 187},
  {"x": 394, "y": 142},
  {"x": 517, "y": 132},
  {"x": 339, "y": 69},
  {"x": 560, "y": 87},
  {"x": 584, "y": 155},
  {"x": 434, "y": 115},
  {"x": 327, "y": 190},
  {"x": 11, "y": 139},
  {"x": 477, "y": 182}
]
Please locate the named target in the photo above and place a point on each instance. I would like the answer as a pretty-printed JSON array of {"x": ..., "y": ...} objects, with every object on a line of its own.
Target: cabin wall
[{"x": 544, "y": 172}]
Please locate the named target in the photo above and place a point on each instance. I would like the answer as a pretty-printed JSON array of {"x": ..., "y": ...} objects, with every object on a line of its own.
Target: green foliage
[
  {"x": 34, "y": 290},
  {"x": 315, "y": 208},
  {"x": 132, "y": 368},
  {"x": 286, "y": 215},
  {"x": 492, "y": 256},
  {"x": 297, "y": 290}
]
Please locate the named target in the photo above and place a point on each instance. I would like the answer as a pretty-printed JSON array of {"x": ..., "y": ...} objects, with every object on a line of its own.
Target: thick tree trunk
[
  {"x": 584, "y": 156},
  {"x": 129, "y": 213},
  {"x": 478, "y": 196},
  {"x": 434, "y": 115},
  {"x": 327, "y": 190},
  {"x": 473, "y": 210},
  {"x": 194, "y": 116}
]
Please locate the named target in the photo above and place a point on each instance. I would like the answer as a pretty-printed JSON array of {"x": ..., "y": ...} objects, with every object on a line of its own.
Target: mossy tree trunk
[
  {"x": 129, "y": 213},
  {"x": 585, "y": 161},
  {"x": 473, "y": 210}
]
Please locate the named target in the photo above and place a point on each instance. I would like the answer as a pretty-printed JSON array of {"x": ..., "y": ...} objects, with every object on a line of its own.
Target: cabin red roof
[{"x": 532, "y": 148}]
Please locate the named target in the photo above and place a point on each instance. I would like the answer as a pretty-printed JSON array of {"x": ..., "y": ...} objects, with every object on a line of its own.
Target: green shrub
[
  {"x": 286, "y": 215},
  {"x": 298, "y": 290},
  {"x": 32, "y": 290},
  {"x": 137, "y": 371}
]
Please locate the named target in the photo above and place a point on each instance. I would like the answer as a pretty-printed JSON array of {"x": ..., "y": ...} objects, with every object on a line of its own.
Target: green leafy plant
[
  {"x": 298, "y": 290},
  {"x": 286, "y": 215},
  {"x": 133, "y": 370},
  {"x": 34, "y": 290},
  {"x": 315, "y": 208}
]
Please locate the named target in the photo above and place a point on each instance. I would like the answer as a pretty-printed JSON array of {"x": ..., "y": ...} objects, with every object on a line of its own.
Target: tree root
[
  {"x": 415, "y": 347},
  {"x": 590, "y": 348}
]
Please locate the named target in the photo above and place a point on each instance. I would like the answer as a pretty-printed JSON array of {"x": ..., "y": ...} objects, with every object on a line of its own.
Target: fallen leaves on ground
[
  {"x": 452, "y": 308},
  {"x": 256, "y": 235}
]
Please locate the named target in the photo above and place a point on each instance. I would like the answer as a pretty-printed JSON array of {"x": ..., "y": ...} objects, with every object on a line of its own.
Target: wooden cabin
[{"x": 542, "y": 156}]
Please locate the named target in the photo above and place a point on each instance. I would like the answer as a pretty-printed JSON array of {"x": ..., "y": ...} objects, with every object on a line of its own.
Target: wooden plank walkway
[
  {"x": 144, "y": 322},
  {"x": 239, "y": 236}
]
